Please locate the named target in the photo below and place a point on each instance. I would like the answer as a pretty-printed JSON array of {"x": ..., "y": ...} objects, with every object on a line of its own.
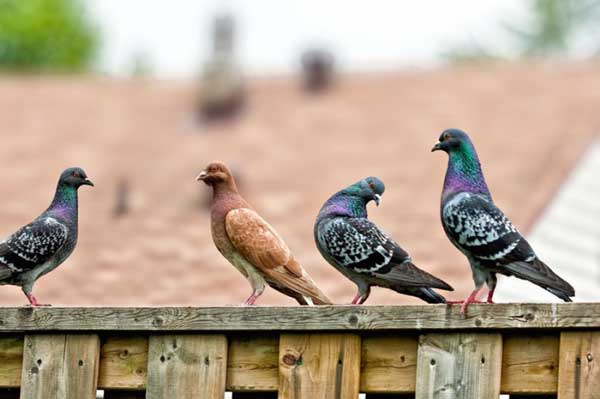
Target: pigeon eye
[
  {"x": 75, "y": 174},
  {"x": 372, "y": 186}
]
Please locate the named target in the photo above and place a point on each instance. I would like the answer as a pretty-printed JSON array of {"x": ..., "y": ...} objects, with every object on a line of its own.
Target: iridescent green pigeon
[
  {"x": 42, "y": 245},
  {"x": 476, "y": 226},
  {"x": 356, "y": 247}
]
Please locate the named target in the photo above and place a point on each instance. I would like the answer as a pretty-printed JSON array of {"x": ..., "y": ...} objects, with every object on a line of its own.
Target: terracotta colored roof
[{"x": 529, "y": 122}]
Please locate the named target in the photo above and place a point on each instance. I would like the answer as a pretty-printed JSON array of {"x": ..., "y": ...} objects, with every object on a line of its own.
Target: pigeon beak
[
  {"x": 203, "y": 175},
  {"x": 88, "y": 182},
  {"x": 377, "y": 199},
  {"x": 437, "y": 147}
]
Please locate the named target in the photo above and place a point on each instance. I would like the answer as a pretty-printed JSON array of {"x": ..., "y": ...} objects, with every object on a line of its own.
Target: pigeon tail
[
  {"x": 319, "y": 299},
  {"x": 426, "y": 294},
  {"x": 408, "y": 274},
  {"x": 562, "y": 295},
  {"x": 312, "y": 301},
  {"x": 540, "y": 274}
]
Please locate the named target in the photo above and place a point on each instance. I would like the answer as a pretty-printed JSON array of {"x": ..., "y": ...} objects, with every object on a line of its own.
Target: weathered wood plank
[
  {"x": 60, "y": 366},
  {"x": 459, "y": 366},
  {"x": 389, "y": 364},
  {"x": 319, "y": 366},
  {"x": 186, "y": 366},
  {"x": 81, "y": 363},
  {"x": 530, "y": 364},
  {"x": 43, "y": 371},
  {"x": 123, "y": 362},
  {"x": 11, "y": 361},
  {"x": 579, "y": 366},
  {"x": 253, "y": 363},
  {"x": 303, "y": 318}
]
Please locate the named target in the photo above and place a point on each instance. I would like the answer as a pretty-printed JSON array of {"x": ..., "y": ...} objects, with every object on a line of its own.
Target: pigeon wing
[
  {"x": 359, "y": 245},
  {"x": 260, "y": 244},
  {"x": 480, "y": 229},
  {"x": 33, "y": 244},
  {"x": 485, "y": 234}
]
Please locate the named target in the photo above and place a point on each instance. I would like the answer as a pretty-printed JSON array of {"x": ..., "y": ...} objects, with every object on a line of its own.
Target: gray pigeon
[
  {"x": 362, "y": 252},
  {"x": 45, "y": 243},
  {"x": 479, "y": 229}
]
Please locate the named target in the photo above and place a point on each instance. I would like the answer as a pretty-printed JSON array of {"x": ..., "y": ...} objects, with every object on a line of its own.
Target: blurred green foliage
[
  {"x": 554, "y": 25},
  {"x": 46, "y": 35},
  {"x": 551, "y": 29}
]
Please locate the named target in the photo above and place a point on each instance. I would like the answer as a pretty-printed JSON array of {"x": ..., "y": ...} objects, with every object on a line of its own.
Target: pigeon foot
[
  {"x": 251, "y": 299},
  {"x": 34, "y": 303}
]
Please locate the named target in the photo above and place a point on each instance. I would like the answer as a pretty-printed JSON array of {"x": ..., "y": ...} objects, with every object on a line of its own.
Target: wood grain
[
  {"x": 81, "y": 363},
  {"x": 319, "y": 366},
  {"x": 303, "y": 318},
  {"x": 459, "y": 366},
  {"x": 43, "y": 370},
  {"x": 530, "y": 364},
  {"x": 389, "y": 364},
  {"x": 186, "y": 366},
  {"x": 11, "y": 361},
  {"x": 123, "y": 362},
  {"x": 60, "y": 366},
  {"x": 253, "y": 363},
  {"x": 579, "y": 367}
]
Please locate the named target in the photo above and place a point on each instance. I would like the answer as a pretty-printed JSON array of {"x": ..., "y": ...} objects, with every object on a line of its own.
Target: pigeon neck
[
  {"x": 344, "y": 205},
  {"x": 464, "y": 172},
  {"x": 224, "y": 190},
  {"x": 64, "y": 204}
]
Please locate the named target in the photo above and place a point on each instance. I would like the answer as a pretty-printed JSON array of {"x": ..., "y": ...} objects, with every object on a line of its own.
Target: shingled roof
[{"x": 530, "y": 124}]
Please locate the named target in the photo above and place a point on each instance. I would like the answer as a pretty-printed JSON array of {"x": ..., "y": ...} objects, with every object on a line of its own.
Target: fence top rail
[{"x": 534, "y": 316}]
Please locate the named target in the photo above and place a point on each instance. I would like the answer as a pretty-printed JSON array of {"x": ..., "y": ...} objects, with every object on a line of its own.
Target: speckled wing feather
[
  {"x": 33, "y": 244},
  {"x": 260, "y": 244},
  {"x": 480, "y": 230},
  {"x": 359, "y": 245}
]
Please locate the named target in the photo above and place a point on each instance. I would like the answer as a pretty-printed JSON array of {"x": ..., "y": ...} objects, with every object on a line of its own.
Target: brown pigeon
[{"x": 249, "y": 243}]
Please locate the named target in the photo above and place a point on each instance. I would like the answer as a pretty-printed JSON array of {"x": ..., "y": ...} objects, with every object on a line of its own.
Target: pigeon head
[
  {"x": 453, "y": 140},
  {"x": 464, "y": 169},
  {"x": 74, "y": 178},
  {"x": 215, "y": 173},
  {"x": 369, "y": 189},
  {"x": 352, "y": 201}
]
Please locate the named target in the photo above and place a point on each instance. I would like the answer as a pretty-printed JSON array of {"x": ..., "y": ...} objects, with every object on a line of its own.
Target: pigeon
[
  {"x": 479, "y": 229},
  {"x": 42, "y": 245},
  {"x": 250, "y": 244},
  {"x": 356, "y": 247}
]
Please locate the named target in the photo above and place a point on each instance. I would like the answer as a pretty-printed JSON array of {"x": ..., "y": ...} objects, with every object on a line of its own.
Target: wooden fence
[{"x": 302, "y": 353}]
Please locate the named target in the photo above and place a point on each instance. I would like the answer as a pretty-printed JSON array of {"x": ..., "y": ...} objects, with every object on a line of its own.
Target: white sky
[{"x": 364, "y": 35}]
